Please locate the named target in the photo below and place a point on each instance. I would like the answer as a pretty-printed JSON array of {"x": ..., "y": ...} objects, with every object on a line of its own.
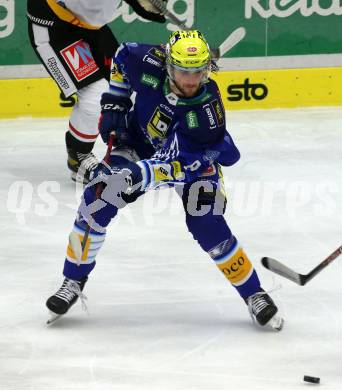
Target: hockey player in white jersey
[{"x": 72, "y": 40}]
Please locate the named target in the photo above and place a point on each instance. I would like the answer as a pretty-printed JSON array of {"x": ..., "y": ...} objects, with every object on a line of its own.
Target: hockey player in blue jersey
[{"x": 174, "y": 134}]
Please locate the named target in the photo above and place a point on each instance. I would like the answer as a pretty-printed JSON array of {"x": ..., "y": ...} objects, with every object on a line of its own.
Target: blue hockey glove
[
  {"x": 113, "y": 117},
  {"x": 121, "y": 180}
]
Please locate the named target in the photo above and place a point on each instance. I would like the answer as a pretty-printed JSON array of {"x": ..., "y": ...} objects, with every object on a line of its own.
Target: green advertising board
[{"x": 274, "y": 27}]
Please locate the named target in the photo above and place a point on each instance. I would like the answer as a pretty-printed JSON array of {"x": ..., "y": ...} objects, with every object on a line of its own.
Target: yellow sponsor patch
[
  {"x": 115, "y": 75},
  {"x": 71, "y": 253},
  {"x": 177, "y": 170},
  {"x": 161, "y": 173},
  {"x": 237, "y": 267}
]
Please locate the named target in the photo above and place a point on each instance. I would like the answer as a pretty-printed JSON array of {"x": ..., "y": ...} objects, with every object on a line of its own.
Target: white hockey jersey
[{"x": 93, "y": 12}]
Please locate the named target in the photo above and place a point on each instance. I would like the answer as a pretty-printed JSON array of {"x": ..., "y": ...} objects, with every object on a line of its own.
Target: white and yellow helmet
[{"x": 188, "y": 51}]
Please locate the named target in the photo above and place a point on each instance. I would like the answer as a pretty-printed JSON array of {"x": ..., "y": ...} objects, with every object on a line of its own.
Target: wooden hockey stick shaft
[
  {"x": 282, "y": 270},
  {"x": 323, "y": 264},
  {"x": 232, "y": 40},
  {"x": 161, "y": 7}
]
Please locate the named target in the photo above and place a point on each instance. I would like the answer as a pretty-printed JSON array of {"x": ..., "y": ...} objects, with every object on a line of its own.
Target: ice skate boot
[
  {"x": 65, "y": 297},
  {"x": 81, "y": 165},
  {"x": 264, "y": 311}
]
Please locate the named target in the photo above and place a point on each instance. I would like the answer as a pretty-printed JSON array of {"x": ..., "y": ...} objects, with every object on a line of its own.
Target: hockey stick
[
  {"x": 161, "y": 7},
  {"x": 74, "y": 239},
  {"x": 282, "y": 270},
  {"x": 232, "y": 39}
]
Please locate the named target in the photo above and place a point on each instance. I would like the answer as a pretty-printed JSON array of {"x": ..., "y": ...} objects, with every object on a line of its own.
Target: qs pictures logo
[
  {"x": 247, "y": 91},
  {"x": 6, "y": 18}
]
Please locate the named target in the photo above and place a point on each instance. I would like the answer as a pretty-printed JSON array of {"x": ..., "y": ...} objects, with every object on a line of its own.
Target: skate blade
[
  {"x": 276, "y": 323},
  {"x": 53, "y": 318}
]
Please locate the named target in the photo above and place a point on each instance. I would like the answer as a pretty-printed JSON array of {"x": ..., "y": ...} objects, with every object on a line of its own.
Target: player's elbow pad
[
  {"x": 229, "y": 157},
  {"x": 229, "y": 153}
]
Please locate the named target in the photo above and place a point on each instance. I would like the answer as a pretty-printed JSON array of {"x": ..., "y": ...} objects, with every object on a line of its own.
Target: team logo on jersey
[
  {"x": 80, "y": 60},
  {"x": 172, "y": 98},
  {"x": 167, "y": 109},
  {"x": 115, "y": 70},
  {"x": 208, "y": 111},
  {"x": 157, "y": 53},
  {"x": 115, "y": 74},
  {"x": 192, "y": 120},
  {"x": 159, "y": 124},
  {"x": 192, "y": 49},
  {"x": 150, "y": 80},
  {"x": 152, "y": 61},
  {"x": 215, "y": 104}
]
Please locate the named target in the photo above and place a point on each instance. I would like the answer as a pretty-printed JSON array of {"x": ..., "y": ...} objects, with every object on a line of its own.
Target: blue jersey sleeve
[
  {"x": 119, "y": 83},
  {"x": 180, "y": 161}
]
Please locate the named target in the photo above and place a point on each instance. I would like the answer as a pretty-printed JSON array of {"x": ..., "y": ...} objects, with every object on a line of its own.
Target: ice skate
[
  {"x": 65, "y": 297},
  {"x": 264, "y": 311},
  {"x": 53, "y": 318},
  {"x": 81, "y": 165}
]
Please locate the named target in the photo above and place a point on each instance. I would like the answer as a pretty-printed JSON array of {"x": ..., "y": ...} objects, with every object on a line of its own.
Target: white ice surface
[{"x": 161, "y": 315}]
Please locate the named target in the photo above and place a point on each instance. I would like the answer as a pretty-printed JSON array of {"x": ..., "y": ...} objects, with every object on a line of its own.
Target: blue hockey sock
[
  {"x": 77, "y": 268},
  {"x": 214, "y": 236},
  {"x": 236, "y": 267}
]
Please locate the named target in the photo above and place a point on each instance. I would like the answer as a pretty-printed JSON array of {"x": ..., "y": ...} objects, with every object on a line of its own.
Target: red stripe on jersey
[{"x": 82, "y": 135}]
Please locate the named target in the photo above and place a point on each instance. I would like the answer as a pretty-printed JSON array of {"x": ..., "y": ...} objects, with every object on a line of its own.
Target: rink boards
[{"x": 253, "y": 89}]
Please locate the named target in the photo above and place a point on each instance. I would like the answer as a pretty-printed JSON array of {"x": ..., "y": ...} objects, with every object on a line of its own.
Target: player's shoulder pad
[
  {"x": 142, "y": 53},
  {"x": 154, "y": 55},
  {"x": 125, "y": 50}
]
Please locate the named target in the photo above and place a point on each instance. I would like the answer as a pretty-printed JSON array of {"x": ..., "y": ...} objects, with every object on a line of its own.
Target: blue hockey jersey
[{"x": 188, "y": 135}]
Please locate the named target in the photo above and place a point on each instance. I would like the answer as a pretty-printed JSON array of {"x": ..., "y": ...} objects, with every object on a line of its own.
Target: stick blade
[{"x": 282, "y": 270}]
